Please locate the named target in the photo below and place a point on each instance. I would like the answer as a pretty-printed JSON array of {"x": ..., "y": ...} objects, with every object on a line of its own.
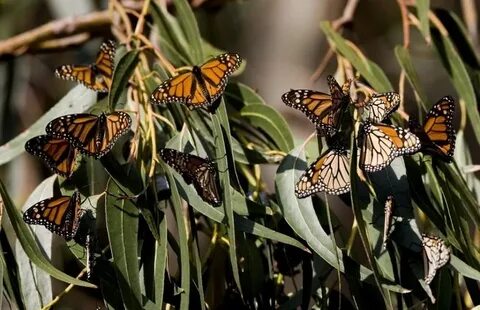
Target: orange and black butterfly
[
  {"x": 322, "y": 109},
  {"x": 199, "y": 171},
  {"x": 58, "y": 154},
  {"x": 329, "y": 173},
  {"x": 60, "y": 215},
  {"x": 383, "y": 143},
  {"x": 437, "y": 134},
  {"x": 91, "y": 134},
  {"x": 201, "y": 86},
  {"x": 381, "y": 106},
  {"x": 96, "y": 76}
]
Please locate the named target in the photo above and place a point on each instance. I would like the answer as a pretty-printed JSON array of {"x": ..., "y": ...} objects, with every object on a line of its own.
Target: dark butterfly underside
[
  {"x": 437, "y": 254},
  {"x": 60, "y": 215},
  {"x": 96, "y": 76},
  {"x": 324, "y": 110},
  {"x": 199, "y": 171},
  {"x": 381, "y": 106},
  {"x": 329, "y": 173},
  {"x": 437, "y": 134},
  {"x": 92, "y": 135},
  {"x": 58, "y": 154},
  {"x": 383, "y": 143},
  {"x": 200, "y": 87}
]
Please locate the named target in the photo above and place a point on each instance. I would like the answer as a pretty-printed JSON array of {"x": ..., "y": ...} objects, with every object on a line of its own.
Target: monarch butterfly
[
  {"x": 58, "y": 154},
  {"x": 322, "y": 109},
  {"x": 380, "y": 106},
  {"x": 329, "y": 173},
  {"x": 437, "y": 135},
  {"x": 60, "y": 215},
  {"x": 199, "y": 171},
  {"x": 201, "y": 86},
  {"x": 92, "y": 135},
  {"x": 437, "y": 255},
  {"x": 387, "y": 222},
  {"x": 96, "y": 76},
  {"x": 383, "y": 143}
]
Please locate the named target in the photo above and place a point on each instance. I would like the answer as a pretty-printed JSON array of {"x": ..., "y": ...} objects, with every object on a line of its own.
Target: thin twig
[
  {"x": 66, "y": 27},
  {"x": 65, "y": 291},
  {"x": 347, "y": 16},
  {"x": 406, "y": 44},
  {"x": 469, "y": 12}
]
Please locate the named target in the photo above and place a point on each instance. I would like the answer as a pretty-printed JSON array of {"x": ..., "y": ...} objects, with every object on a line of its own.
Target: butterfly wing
[
  {"x": 329, "y": 173},
  {"x": 437, "y": 134},
  {"x": 383, "y": 143},
  {"x": 328, "y": 126},
  {"x": 92, "y": 135},
  {"x": 182, "y": 88},
  {"x": 58, "y": 154},
  {"x": 60, "y": 215},
  {"x": 315, "y": 105},
  {"x": 105, "y": 60},
  {"x": 437, "y": 254},
  {"x": 381, "y": 106},
  {"x": 194, "y": 169},
  {"x": 214, "y": 74}
]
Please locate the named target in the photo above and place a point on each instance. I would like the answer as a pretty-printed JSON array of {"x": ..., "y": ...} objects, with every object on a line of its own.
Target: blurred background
[{"x": 280, "y": 39}]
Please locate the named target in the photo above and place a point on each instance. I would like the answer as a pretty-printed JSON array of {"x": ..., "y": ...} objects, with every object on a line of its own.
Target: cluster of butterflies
[
  {"x": 68, "y": 136},
  {"x": 380, "y": 142},
  {"x": 92, "y": 135}
]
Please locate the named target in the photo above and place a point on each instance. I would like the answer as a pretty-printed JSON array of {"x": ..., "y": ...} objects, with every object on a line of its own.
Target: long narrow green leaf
[
  {"x": 188, "y": 23},
  {"x": 405, "y": 61},
  {"x": 121, "y": 218},
  {"x": 29, "y": 244},
  {"x": 184, "y": 255},
  {"x": 121, "y": 75},
  {"x": 423, "y": 7},
  {"x": 78, "y": 100},
  {"x": 371, "y": 71},
  {"x": 160, "y": 262}
]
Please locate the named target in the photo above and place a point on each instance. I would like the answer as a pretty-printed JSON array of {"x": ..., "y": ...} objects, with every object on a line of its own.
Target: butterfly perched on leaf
[
  {"x": 96, "y": 76},
  {"x": 324, "y": 110},
  {"x": 383, "y": 143},
  {"x": 437, "y": 255},
  {"x": 437, "y": 134},
  {"x": 91, "y": 134},
  {"x": 381, "y": 106},
  {"x": 58, "y": 154},
  {"x": 329, "y": 173},
  {"x": 201, "y": 86},
  {"x": 60, "y": 215},
  {"x": 194, "y": 169}
]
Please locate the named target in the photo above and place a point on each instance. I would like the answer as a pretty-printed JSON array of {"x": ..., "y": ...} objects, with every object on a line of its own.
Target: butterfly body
[
  {"x": 96, "y": 76},
  {"x": 58, "y": 154},
  {"x": 60, "y": 215},
  {"x": 195, "y": 170},
  {"x": 329, "y": 173},
  {"x": 383, "y": 143},
  {"x": 92, "y": 135},
  {"x": 201, "y": 86},
  {"x": 324, "y": 110},
  {"x": 437, "y": 134}
]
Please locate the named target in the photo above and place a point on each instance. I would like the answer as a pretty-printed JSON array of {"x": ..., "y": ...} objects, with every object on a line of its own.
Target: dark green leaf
[{"x": 123, "y": 71}]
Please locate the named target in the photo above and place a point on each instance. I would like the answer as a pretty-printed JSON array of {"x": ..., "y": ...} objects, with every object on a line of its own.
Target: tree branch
[{"x": 32, "y": 40}]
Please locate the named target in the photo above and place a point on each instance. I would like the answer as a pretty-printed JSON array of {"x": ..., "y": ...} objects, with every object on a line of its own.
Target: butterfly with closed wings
[
  {"x": 199, "y": 171},
  {"x": 437, "y": 134},
  {"x": 437, "y": 255},
  {"x": 200, "y": 87},
  {"x": 58, "y": 154},
  {"x": 329, "y": 173},
  {"x": 61, "y": 215},
  {"x": 324, "y": 110},
  {"x": 381, "y": 106},
  {"x": 93, "y": 135},
  {"x": 96, "y": 76},
  {"x": 383, "y": 143}
]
